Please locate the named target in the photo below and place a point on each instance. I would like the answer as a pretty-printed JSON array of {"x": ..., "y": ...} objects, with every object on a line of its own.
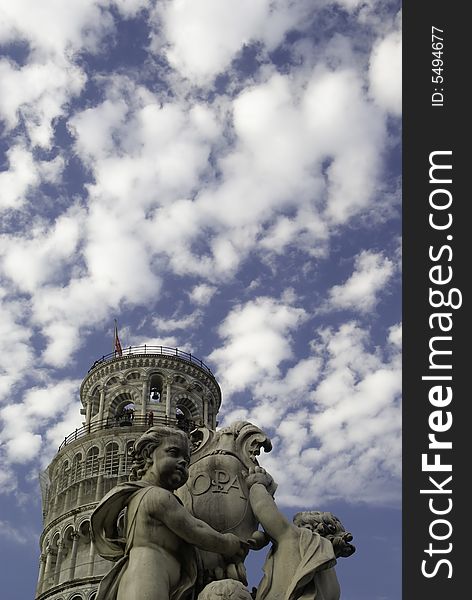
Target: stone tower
[{"x": 117, "y": 395}]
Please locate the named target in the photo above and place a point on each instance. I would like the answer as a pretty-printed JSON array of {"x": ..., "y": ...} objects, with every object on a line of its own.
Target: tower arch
[{"x": 187, "y": 405}]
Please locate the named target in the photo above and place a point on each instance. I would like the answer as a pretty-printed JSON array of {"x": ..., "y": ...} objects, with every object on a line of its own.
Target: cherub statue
[
  {"x": 299, "y": 565},
  {"x": 156, "y": 557}
]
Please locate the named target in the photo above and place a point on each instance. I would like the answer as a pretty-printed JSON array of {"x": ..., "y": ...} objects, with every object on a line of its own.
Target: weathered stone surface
[
  {"x": 225, "y": 589},
  {"x": 216, "y": 490},
  {"x": 156, "y": 559}
]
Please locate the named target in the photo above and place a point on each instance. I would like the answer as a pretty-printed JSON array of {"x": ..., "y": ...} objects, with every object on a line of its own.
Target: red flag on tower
[{"x": 118, "y": 349}]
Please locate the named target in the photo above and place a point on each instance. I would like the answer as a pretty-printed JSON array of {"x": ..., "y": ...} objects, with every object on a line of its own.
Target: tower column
[
  {"x": 73, "y": 555},
  {"x": 99, "y": 490},
  {"x": 168, "y": 396},
  {"x": 48, "y": 568},
  {"x": 80, "y": 493},
  {"x": 67, "y": 490},
  {"x": 57, "y": 501},
  {"x": 88, "y": 410},
  {"x": 60, "y": 554},
  {"x": 42, "y": 566},
  {"x": 205, "y": 411},
  {"x": 145, "y": 399},
  {"x": 91, "y": 559},
  {"x": 102, "y": 404}
]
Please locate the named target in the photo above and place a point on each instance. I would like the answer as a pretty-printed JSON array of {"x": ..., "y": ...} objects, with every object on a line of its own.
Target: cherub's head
[
  {"x": 328, "y": 526},
  {"x": 161, "y": 455},
  {"x": 225, "y": 589}
]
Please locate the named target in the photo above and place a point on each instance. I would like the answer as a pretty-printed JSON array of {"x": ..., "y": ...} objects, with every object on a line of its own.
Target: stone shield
[{"x": 218, "y": 494}]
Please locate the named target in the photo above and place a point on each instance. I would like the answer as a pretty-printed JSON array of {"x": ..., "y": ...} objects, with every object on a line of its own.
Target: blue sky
[{"x": 222, "y": 177}]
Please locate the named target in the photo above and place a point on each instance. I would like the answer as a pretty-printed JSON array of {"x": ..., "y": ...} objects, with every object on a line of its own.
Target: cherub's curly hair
[
  {"x": 324, "y": 522},
  {"x": 225, "y": 589},
  {"x": 145, "y": 446},
  {"x": 328, "y": 526}
]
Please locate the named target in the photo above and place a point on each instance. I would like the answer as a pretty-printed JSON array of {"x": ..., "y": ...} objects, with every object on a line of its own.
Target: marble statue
[
  {"x": 300, "y": 563},
  {"x": 225, "y": 589},
  {"x": 155, "y": 552},
  {"x": 216, "y": 491},
  {"x": 183, "y": 525}
]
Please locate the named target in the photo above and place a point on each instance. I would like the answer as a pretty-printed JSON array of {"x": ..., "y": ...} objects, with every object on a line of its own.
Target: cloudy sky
[{"x": 224, "y": 177}]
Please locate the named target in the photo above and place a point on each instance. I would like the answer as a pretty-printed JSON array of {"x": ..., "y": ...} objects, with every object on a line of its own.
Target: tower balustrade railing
[
  {"x": 135, "y": 422},
  {"x": 152, "y": 350}
]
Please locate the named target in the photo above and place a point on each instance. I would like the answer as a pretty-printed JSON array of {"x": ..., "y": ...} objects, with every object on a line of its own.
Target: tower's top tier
[{"x": 166, "y": 381}]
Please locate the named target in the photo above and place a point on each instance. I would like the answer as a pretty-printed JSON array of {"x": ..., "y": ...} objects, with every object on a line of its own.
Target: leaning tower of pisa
[{"x": 118, "y": 395}]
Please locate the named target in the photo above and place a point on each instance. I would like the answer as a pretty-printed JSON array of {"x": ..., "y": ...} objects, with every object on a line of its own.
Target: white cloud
[
  {"x": 143, "y": 149},
  {"x": 95, "y": 129},
  {"x": 58, "y": 430},
  {"x": 116, "y": 258},
  {"x": 53, "y": 28},
  {"x": 361, "y": 290},
  {"x": 37, "y": 93},
  {"x": 20, "y": 176},
  {"x": 202, "y": 293},
  {"x": 130, "y": 8},
  {"x": 199, "y": 187},
  {"x": 16, "y": 354},
  {"x": 337, "y": 433},
  {"x": 203, "y": 36},
  {"x": 23, "y": 174},
  {"x": 354, "y": 4},
  {"x": 395, "y": 335},
  {"x": 28, "y": 423},
  {"x": 275, "y": 394},
  {"x": 186, "y": 322},
  {"x": 115, "y": 269},
  {"x": 39, "y": 259},
  {"x": 63, "y": 341},
  {"x": 351, "y": 133},
  {"x": 385, "y": 72},
  {"x": 200, "y": 38},
  {"x": 256, "y": 339},
  {"x": 8, "y": 478},
  {"x": 284, "y": 128},
  {"x": 19, "y": 535},
  {"x": 24, "y": 447}
]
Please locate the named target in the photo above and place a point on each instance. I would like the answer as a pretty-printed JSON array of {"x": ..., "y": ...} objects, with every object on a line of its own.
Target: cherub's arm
[
  {"x": 263, "y": 505},
  {"x": 169, "y": 511}
]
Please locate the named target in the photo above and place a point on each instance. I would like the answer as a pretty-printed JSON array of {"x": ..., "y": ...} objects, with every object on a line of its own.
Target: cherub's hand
[
  {"x": 237, "y": 549},
  {"x": 258, "y": 540},
  {"x": 342, "y": 545},
  {"x": 260, "y": 475}
]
